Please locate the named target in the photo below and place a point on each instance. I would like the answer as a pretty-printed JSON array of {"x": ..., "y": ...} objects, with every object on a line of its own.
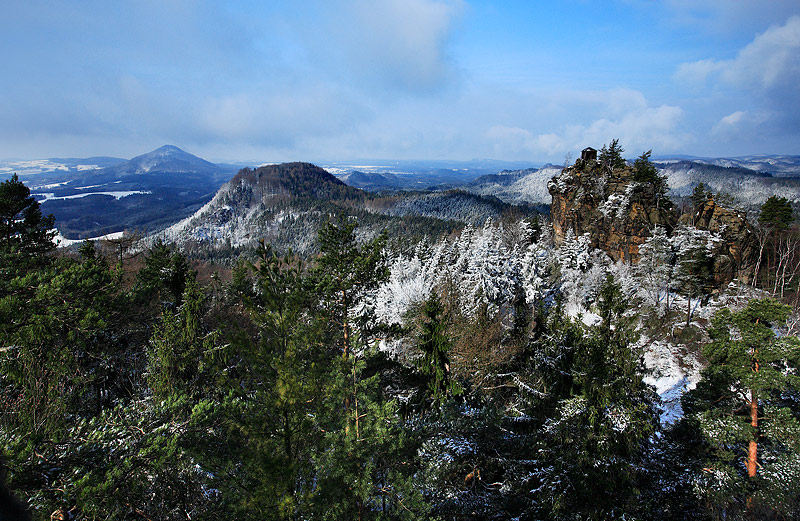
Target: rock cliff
[
  {"x": 616, "y": 211},
  {"x": 734, "y": 254}
]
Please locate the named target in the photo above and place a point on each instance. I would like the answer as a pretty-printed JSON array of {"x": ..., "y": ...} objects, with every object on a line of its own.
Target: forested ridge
[{"x": 489, "y": 374}]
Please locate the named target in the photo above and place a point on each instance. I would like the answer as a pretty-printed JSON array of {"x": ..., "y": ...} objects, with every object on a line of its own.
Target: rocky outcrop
[
  {"x": 617, "y": 212},
  {"x": 734, "y": 254}
]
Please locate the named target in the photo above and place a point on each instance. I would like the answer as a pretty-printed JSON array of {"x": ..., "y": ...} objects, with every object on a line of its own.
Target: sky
[{"x": 338, "y": 80}]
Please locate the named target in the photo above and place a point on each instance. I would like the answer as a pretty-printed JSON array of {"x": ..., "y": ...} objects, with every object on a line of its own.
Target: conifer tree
[
  {"x": 595, "y": 444},
  {"x": 611, "y": 156},
  {"x": 699, "y": 196},
  {"x": 178, "y": 345},
  {"x": 163, "y": 277},
  {"x": 278, "y": 380},
  {"x": 345, "y": 272},
  {"x": 23, "y": 230},
  {"x": 776, "y": 212},
  {"x": 435, "y": 346},
  {"x": 745, "y": 409}
]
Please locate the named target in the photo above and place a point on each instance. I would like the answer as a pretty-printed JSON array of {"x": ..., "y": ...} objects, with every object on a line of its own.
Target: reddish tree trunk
[{"x": 752, "y": 453}]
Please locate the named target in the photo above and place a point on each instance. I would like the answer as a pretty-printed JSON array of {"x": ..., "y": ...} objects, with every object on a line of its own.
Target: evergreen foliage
[
  {"x": 25, "y": 235},
  {"x": 271, "y": 397},
  {"x": 644, "y": 171},
  {"x": 595, "y": 445},
  {"x": 693, "y": 272},
  {"x": 434, "y": 344},
  {"x": 163, "y": 278},
  {"x": 699, "y": 196},
  {"x": 776, "y": 212},
  {"x": 746, "y": 412},
  {"x": 611, "y": 156}
]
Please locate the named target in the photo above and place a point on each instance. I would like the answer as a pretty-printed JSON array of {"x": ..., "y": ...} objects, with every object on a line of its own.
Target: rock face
[
  {"x": 734, "y": 253},
  {"x": 617, "y": 212}
]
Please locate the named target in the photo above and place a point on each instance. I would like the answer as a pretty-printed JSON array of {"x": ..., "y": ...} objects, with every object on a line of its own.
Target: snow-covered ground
[
  {"x": 50, "y": 196},
  {"x": 63, "y": 242}
]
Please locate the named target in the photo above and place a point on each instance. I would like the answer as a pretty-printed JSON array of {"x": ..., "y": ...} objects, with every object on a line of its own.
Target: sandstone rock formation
[
  {"x": 734, "y": 254},
  {"x": 619, "y": 213},
  {"x": 616, "y": 211}
]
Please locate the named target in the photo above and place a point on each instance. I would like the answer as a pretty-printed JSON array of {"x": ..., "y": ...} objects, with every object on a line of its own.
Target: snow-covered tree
[{"x": 654, "y": 269}]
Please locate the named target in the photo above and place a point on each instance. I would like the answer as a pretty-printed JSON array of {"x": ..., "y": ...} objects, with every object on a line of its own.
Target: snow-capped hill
[
  {"x": 149, "y": 192},
  {"x": 281, "y": 203},
  {"x": 173, "y": 158},
  {"x": 295, "y": 179},
  {"x": 518, "y": 187},
  {"x": 167, "y": 159},
  {"x": 286, "y": 204},
  {"x": 779, "y": 166},
  {"x": 749, "y": 187}
]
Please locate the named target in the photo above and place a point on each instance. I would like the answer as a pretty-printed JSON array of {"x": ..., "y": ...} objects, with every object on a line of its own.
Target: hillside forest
[{"x": 492, "y": 371}]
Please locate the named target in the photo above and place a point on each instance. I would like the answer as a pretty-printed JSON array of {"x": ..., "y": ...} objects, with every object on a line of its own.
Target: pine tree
[
  {"x": 25, "y": 235},
  {"x": 23, "y": 230},
  {"x": 277, "y": 380},
  {"x": 611, "y": 156},
  {"x": 776, "y": 212},
  {"x": 745, "y": 409},
  {"x": 345, "y": 272}
]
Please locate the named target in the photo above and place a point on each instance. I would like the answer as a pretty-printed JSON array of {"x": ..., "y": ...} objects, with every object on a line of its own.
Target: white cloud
[
  {"x": 393, "y": 43},
  {"x": 620, "y": 113},
  {"x": 739, "y": 123},
  {"x": 698, "y": 72},
  {"x": 768, "y": 67}
]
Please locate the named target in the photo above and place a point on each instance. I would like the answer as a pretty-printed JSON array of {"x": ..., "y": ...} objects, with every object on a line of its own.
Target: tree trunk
[
  {"x": 688, "y": 310},
  {"x": 345, "y": 326},
  {"x": 752, "y": 453}
]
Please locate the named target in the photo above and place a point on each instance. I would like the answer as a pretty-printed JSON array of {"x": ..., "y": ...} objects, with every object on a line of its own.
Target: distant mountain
[
  {"x": 778, "y": 165},
  {"x": 165, "y": 166},
  {"x": 295, "y": 179},
  {"x": 148, "y": 192},
  {"x": 374, "y": 181},
  {"x": 379, "y": 176},
  {"x": 527, "y": 186},
  {"x": 748, "y": 187},
  {"x": 286, "y": 204}
]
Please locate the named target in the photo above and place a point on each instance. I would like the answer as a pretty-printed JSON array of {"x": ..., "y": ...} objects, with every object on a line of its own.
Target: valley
[{"x": 466, "y": 325}]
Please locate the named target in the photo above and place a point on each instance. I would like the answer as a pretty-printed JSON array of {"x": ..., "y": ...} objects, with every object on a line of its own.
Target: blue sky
[{"x": 398, "y": 79}]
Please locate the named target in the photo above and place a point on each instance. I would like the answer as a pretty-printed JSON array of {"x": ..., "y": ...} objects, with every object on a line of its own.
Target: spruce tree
[
  {"x": 611, "y": 156},
  {"x": 435, "y": 347},
  {"x": 699, "y": 196},
  {"x": 595, "y": 444}
]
